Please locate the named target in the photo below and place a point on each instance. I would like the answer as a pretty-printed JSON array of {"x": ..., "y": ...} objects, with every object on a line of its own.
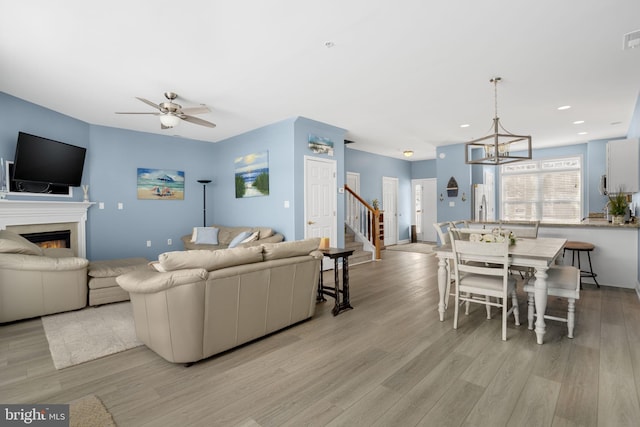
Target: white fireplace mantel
[{"x": 18, "y": 212}]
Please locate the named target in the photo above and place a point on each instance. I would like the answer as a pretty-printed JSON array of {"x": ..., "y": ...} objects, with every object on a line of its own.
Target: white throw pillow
[
  {"x": 205, "y": 235},
  {"x": 239, "y": 239},
  {"x": 252, "y": 237}
]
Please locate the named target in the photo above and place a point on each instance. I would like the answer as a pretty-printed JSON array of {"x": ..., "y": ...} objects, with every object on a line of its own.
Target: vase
[{"x": 617, "y": 220}]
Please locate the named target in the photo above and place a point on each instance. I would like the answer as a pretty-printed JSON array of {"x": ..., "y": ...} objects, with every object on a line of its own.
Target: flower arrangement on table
[{"x": 496, "y": 236}]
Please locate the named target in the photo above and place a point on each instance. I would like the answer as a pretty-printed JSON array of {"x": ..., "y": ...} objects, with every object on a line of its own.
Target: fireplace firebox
[{"x": 50, "y": 239}]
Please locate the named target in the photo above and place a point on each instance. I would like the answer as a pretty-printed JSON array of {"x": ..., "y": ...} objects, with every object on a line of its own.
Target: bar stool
[{"x": 580, "y": 247}]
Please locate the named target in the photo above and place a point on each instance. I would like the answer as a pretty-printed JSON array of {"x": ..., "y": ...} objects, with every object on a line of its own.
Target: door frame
[
  {"x": 432, "y": 183},
  {"x": 396, "y": 188},
  {"x": 333, "y": 196}
]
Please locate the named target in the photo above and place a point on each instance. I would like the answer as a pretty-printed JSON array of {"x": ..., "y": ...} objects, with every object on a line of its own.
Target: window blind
[{"x": 545, "y": 190}]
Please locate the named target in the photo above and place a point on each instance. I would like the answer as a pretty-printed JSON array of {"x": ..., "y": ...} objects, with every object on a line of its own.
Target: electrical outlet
[
  {"x": 148, "y": 243},
  {"x": 101, "y": 205},
  {"x": 120, "y": 206},
  {"x": 169, "y": 242}
]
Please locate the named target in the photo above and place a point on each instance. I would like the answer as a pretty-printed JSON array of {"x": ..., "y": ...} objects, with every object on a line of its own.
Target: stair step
[{"x": 360, "y": 257}]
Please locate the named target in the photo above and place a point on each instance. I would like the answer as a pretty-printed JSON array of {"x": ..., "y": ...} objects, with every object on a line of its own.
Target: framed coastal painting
[
  {"x": 252, "y": 175},
  {"x": 320, "y": 145},
  {"x": 160, "y": 184}
]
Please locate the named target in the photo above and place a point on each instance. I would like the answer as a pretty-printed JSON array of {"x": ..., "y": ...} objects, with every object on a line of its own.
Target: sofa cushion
[
  {"x": 115, "y": 267},
  {"x": 239, "y": 239},
  {"x": 13, "y": 243},
  {"x": 41, "y": 263},
  {"x": 290, "y": 249},
  {"x": 205, "y": 235},
  {"x": 210, "y": 260}
]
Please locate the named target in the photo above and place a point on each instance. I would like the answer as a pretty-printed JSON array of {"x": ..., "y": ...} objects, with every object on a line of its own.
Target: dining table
[{"x": 539, "y": 253}]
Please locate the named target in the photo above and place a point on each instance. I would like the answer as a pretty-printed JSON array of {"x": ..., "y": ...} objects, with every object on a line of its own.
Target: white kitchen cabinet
[{"x": 623, "y": 165}]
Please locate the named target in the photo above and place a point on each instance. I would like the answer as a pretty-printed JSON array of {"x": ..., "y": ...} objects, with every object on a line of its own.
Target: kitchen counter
[{"x": 587, "y": 222}]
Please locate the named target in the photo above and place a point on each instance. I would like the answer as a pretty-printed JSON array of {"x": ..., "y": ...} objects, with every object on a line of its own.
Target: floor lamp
[{"x": 204, "y": 183}]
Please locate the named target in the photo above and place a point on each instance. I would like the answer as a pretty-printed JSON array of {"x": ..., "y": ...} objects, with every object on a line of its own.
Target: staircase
[{"x": 359, "y": 255}]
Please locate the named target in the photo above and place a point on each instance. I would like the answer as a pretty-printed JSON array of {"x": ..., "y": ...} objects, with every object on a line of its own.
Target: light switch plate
[{"x": 452, "y": 204}]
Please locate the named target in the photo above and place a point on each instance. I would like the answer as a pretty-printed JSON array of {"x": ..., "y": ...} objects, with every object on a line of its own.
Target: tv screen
[{"x": 43, "y": 160}]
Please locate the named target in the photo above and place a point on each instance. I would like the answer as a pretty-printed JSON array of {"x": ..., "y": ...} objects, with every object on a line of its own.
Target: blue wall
[
  {"x": 424, "y": 169},
  {"x": 113, "y": 157},
  {"x": 259, "y": 211},
  {"x": 372, "y": 168},
  {"x": 452, "y": 165}
]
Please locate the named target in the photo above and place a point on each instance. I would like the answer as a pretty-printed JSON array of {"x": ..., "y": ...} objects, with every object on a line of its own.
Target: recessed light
[
  {"x": 564, "y": 107},
  {"x": 466, "y": 125},
  {"x": 329, "y": 44},
  {"x": 578, "y": 122},
  {"x": 582, "y": 133}
]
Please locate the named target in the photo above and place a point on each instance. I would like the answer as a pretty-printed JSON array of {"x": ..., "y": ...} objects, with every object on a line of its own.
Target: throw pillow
[
  {"x": 205, "y": 235},
  {"x": 238, "y": 239},
  {"x": 252, "y": 238}
]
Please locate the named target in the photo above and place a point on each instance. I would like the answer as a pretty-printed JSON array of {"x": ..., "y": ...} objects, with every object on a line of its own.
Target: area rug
[
  {"x": 79, "y": 336},
  {"x": 89, "y": 411},
  {"x": 424, "y": 248}
]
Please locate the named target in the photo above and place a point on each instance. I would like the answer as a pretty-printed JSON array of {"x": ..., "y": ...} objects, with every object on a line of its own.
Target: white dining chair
[
  {"x": 482, "y": 272},
  {"x": 526, "y": 232},
  {"x": 563, "y": 281},
  {"x": 442, "y": 228}
]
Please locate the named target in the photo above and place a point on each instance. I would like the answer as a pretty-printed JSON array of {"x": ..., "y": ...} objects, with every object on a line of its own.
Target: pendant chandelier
[{"x": 496, "y": 148}]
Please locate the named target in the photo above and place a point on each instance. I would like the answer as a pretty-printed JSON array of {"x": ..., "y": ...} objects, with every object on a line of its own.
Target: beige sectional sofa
[
  {"x": 191, "y": 305},
  {"x": 223, "y": 236},
  {"x": 35, "y": 282}
]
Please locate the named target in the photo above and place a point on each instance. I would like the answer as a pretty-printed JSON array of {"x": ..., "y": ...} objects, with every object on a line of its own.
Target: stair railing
[{"x": 364, "y": 219}]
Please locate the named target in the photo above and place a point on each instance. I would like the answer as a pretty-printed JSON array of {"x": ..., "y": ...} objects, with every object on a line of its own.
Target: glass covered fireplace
[{"x": 50, "y": 239}]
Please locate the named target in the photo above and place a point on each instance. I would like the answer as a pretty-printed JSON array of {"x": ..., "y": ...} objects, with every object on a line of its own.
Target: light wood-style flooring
[{"x": 388, "y": 362}]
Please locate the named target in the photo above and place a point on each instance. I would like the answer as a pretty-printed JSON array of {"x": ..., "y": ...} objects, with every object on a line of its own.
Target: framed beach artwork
[
  {"x": 320, "y": 145},
  {"x": 252, "y": 175},
  {"x": 160, "y": 184}
]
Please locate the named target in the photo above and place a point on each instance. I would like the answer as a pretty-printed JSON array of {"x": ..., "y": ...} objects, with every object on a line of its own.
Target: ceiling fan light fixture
[{"x": 169, "y": 120}]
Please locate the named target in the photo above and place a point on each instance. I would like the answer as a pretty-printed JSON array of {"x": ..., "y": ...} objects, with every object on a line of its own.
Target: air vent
[{"x": 631, "y": 40}]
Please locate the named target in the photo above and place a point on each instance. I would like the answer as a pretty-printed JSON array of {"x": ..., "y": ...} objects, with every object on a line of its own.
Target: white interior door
[
  {"x": 320, "y": 199},
  {"x": 425, "y": 203},
  {"x": 390, "y": 208}
]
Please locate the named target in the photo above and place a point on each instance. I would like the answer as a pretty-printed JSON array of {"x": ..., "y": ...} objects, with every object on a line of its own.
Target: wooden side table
[{"x": 336, "y": 254}]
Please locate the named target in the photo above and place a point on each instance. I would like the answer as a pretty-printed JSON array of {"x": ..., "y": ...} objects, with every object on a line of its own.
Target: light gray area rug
[
  {"x": 424, "y": 248},
  {"x": 93, "y": 332}
]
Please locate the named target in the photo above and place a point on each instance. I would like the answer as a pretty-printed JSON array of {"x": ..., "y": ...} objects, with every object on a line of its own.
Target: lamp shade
[{"x": 169, "y": 120}]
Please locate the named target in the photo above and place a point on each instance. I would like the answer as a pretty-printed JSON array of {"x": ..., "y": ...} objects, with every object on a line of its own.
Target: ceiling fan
[{"x": 171, "y": 113}]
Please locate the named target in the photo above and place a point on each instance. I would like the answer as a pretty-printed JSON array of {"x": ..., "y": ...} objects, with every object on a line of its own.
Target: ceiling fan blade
[
  {"x": 196, "y": 110},
  {"x": 146, "y": 101},
  {"x": 154, "y": 114},
  {"x": 197, "y": 121}
]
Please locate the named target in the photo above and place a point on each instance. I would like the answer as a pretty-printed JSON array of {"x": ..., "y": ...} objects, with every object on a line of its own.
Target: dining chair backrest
[
  {"x": 488, "y": 259},
  {"x": 528, "y": 232},
  {"x": 442, "y": 228}
]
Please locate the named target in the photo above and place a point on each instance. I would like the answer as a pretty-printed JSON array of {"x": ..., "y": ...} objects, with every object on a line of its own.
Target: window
[{"x": 545, "y": 190}]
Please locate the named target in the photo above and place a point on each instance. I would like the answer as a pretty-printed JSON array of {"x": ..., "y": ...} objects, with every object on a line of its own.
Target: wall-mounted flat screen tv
[{"x": 47, "y": 161}]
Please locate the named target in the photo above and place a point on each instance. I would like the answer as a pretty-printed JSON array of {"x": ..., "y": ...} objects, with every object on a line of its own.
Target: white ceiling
[{"x": 401, "y": 74}]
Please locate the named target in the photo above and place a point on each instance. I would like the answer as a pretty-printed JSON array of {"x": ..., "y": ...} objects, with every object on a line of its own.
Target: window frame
[{"x": 539, "y": 170}]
